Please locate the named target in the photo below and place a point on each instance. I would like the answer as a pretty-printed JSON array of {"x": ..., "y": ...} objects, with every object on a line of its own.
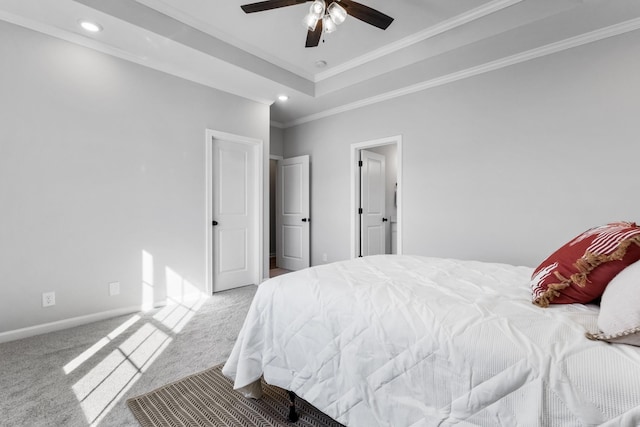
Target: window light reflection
[
  {"x": 110, "y": 378},
  {"x": 88, "y": 353}
]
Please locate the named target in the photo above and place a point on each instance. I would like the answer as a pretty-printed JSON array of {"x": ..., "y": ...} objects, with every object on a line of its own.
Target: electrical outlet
[
  {"x": 114, "y": 288},
  {"x": 48, "y": 299},
  {"x": 324, "y": 258}
]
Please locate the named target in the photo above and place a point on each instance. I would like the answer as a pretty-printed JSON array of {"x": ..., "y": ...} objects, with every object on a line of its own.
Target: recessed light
[
  {"x": 283, "y": 98},
  {"x": 321, "y": 64},
  {"x": 89, "y": 26}
]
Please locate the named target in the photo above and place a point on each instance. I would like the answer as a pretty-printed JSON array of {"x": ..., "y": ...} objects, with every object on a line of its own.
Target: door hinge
[
  {"x": 360, "y": 163},
  {"x": 360, "y": 211}
]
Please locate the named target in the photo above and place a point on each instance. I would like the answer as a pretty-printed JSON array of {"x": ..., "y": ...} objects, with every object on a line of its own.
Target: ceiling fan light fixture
[
  {"x": 337, "y": 13},
  {"x": 317, "y": 8},
  {"x": 328, "y": 25},
  {"x": 310, "y": 21}
]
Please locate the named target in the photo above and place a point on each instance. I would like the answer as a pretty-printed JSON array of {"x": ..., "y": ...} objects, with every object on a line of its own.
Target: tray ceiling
[{"x": 262, "y": 55}]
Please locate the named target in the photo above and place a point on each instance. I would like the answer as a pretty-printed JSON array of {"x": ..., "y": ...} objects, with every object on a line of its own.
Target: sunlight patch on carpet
[{"x": 104, "y": 385}]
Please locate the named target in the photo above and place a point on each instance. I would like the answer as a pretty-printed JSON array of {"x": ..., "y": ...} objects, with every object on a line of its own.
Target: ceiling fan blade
[
  {"x": 269, "y": 4},
  {"x": 366, "y": 14},
  {"x": 313, "y": 37}
]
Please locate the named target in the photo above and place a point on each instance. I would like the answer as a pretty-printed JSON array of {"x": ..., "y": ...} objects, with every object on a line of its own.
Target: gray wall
[
  {"x": 503, "y": 166},
  {"x": 276, "y": 139},
  {"x": 100, "y": 160}
]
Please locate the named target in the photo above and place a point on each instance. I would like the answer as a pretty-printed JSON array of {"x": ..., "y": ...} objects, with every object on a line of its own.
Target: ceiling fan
[{"x": 325, "y": 15}]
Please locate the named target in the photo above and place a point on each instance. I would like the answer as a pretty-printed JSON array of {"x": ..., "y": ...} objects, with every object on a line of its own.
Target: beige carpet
[
  {"x": 82, "y": 376},
  {"x": 208, "y": 399}
]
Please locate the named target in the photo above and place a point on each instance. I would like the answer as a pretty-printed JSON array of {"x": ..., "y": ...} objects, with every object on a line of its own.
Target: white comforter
[{"x": 414, "y": 341}]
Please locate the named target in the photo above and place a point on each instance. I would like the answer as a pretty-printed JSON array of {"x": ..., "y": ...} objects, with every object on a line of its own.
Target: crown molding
[
  {"x": 549, "y": 49},
  {"x": 442, "y": 27}
]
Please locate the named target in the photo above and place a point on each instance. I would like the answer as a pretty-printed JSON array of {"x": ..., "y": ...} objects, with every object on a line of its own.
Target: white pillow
[{"x": 619, "y": 318}]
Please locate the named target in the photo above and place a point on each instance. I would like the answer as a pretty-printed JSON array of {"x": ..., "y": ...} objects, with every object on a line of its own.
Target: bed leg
[{"x": 293, "y": 415}]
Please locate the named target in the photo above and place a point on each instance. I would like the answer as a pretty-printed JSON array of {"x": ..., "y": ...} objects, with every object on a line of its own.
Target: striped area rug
[{"x": 208, "y": 399}]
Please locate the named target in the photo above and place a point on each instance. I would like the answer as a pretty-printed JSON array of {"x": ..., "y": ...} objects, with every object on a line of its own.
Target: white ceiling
[{"x": 262, "y": 55}]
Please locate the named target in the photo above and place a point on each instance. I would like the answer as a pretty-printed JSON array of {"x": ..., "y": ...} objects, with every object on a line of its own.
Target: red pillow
[{"x": 580, "y": 270}]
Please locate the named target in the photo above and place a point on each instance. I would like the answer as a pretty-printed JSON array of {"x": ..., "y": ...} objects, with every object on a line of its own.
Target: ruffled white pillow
[{"x": 619, "y": 318}]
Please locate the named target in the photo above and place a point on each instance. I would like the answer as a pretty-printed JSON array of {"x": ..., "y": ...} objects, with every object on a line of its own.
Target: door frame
[
  {"x": 258, "y": 151},
  {"x": 355, "y": 182}
]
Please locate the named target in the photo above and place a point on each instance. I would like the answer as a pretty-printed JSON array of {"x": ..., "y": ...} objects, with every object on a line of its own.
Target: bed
[{"x": 398, "y": 340}]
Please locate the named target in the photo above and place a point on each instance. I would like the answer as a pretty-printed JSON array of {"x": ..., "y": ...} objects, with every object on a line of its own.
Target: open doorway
[
  {"x": 376, "y": 197},
  {"x": 274, "y": 269}
]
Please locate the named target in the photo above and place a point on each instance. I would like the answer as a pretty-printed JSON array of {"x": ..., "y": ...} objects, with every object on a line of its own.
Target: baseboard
[{"x": 65, "y": 324}]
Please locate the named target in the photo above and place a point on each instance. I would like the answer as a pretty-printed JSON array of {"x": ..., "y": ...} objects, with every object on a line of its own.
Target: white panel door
[
  {"x": 292, "y": 213},
  {"x": 234, "y": 214},
  {"x": 373, "y": 203}
]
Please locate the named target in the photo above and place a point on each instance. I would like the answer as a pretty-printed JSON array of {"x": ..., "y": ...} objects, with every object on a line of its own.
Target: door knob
[
  {"x": 306, "y": 219},
  {"x": 384, "y": 219},
  {"x": 214, "y": 223}
]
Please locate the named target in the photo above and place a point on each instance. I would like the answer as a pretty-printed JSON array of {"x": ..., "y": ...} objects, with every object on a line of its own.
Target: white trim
[
  {"x": 354, "y": 149},
  {"x": 275, "y": 157},
  {"x": 442, "y": 27},
  {"x": 275, "y": 124},
  {"x": 258, "y": 145},
  {"x": 59, "y": 325},
  {"x": 549, "y": 49}
]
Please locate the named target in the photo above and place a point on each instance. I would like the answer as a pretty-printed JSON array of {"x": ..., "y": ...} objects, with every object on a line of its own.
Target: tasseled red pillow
[{"x": 580, "y": 270}]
